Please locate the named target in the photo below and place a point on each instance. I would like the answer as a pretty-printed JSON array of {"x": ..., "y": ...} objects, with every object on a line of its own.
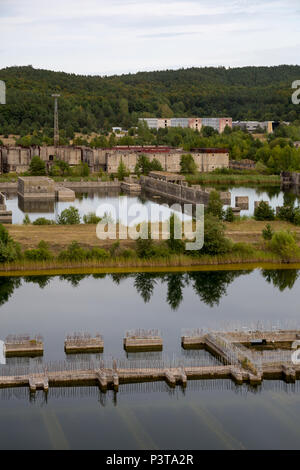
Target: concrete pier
[
  {"x": 132, "y": 344},
  {"x": 24, "y": 347},
  {"x": 82, "y": 344}
]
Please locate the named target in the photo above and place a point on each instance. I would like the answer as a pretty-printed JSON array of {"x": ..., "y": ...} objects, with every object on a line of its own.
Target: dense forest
[{"x": 94, "y": 103}]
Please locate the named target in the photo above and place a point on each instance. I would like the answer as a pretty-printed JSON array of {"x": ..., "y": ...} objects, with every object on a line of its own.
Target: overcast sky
[{"x": 119, "y": 36}]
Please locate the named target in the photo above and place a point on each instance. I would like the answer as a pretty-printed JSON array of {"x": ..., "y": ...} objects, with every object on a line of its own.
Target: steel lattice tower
[{"x": 56, "y": 131}]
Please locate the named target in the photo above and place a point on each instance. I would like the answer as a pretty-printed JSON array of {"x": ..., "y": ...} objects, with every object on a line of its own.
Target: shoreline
[{"x": 140, "y": 265}]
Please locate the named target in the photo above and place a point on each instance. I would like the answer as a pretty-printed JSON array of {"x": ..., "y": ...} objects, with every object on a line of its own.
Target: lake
[
  {"x": 207, "y": 414},
  {"x": 101, "y": 201}
]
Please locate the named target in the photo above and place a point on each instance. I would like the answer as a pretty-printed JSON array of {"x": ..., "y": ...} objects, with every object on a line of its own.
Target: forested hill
[{"x": 91, "y": 102}]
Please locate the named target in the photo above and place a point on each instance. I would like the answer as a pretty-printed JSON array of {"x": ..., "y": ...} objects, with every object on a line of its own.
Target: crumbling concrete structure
[{"x": 17, "y": 159}]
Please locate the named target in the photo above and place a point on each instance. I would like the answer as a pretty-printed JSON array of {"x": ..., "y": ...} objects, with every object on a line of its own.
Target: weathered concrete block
[{"x": 242, "y": 202}]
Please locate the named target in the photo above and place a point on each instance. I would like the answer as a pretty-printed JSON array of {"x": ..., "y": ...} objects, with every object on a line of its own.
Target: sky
[{"x": 105, "y": 37}]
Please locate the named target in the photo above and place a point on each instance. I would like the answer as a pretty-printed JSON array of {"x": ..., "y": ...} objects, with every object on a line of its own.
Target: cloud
[{"x": 102, "y": 36}]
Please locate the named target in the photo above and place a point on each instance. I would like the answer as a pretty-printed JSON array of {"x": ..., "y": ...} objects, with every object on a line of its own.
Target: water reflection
[{"x": 210, "y": 286}]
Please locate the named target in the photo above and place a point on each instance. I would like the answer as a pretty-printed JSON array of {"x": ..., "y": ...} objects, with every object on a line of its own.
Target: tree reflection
[
  {"x": 176, "y": 284},
  {"x": 42, "y": 281},
  {"x": 281, "y": 278},
  {"x": 144, "y": 284},
  {"x": 212, "y": 286},
  {"x": 7, "y": 287}
]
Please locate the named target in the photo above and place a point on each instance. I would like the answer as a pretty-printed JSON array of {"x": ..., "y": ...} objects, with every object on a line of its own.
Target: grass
[
  {"x": 60, "y": 236},
  {"x": 184, "y": 262},
  {"x": 233, "y": 179}
]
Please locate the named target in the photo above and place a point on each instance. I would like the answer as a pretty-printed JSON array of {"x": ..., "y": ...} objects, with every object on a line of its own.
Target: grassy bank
[
  {"x": 59, "y": 237},
  {"x": 259, "y": 259},
  {"x": 233, "y": 179}
]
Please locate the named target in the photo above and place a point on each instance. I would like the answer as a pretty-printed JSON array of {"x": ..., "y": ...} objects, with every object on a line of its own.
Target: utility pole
[{"x": 56, "y": 131}]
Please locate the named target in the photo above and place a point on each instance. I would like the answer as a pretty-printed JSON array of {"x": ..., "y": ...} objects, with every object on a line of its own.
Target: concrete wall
[
  {"x": 17, "y": 159},
  {"x": 177, "y": 192}
]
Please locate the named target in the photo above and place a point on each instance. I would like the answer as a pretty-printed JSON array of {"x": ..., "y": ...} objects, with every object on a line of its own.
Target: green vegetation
[
  {"x": 283, "y": 244},
  {"x": 41, "y": 253},
  {"x": 91, "y": 218},
  {"x": 144, "y": 166},
  {"x": 43, "y": 221},
  {"x": 91, "y": 103},
  {"x": 9, "y": 250},
  {"x": 69, "y": 216},
  {"x": 37, "y": 167},
  {"x": 187, "y": 164},
  {"x": 215, "y": 206},
  {"x": 264, "y": 212},
  {"x": 122, "y": 171},
  {"x": 229, "y": 215},
  {"x": 267, "y": 232},
  {"x": 26, "y": 220}
]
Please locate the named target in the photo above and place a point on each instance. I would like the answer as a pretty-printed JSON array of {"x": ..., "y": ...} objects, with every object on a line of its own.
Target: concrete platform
[
  {"x": 89, "y": 345},
  {"x": 133, "y": 344}
]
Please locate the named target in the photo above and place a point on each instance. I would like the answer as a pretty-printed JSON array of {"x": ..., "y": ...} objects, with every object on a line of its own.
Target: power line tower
[{"x": 56, "y": 131}]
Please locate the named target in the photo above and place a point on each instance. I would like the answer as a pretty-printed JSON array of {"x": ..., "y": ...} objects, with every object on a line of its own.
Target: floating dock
[
  {"x": 16, "y": 346},
  {"x": 143, "y": 340},
  {"x": 257, "y": 339},
  {"x": 84, "y": 344}
]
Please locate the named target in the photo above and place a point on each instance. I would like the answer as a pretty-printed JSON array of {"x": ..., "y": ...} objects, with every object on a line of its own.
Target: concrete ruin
[
  {"x": 242, "y": 202},
  {"x": 42, "y": 188},
  {"x": 17, "y": 159}
]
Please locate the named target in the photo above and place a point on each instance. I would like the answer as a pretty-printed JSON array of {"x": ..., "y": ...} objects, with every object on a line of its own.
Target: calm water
[
  {"x": 209, "y": 415},
  {"x": 101, "y": 201}
]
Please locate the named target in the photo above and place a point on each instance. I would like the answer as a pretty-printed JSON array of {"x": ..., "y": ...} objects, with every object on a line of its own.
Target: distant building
[
  {"x": 297, "y": 144},
  {"x": 245, "y": 164},
  {"x": 218, "y": 124},
  {"x": 255, "y": 126}
]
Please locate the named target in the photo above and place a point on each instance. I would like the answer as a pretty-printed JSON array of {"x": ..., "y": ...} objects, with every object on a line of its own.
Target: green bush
[
  {"x": 91, "y": 218},
  {"x": 264, "y": 212},
  {"x": 215, "y": 206},
  {"x": 128, "y": 253},
  {"x": 174, "y": 244},
  {"x": 37, "y": 167},
  {"x": 284, "y": 244},
  {"x": 289, "y": 213},
  {"x": 267, "y": 232},
  {"x": 229, "y": 215},
  {"x": 187, "y": 164},
  {"x": 43, "y": 221},
  {"x": 26, "y": 220},
  {"x": 243, "y": 248},
  {"x": 41, "y": 253},
  {"x": 74, "y": 252},
  {"x": 215, "y": 242},
  {"x": 99, "y": 253},
  {"x": 9, "y": 249},
  {"x": 69, "y": 216}
]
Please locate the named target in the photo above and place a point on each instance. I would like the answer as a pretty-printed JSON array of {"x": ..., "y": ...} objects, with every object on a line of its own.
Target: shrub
[
  {"x": 243, "y": 248},
  {"x": 9, "y": 249},
  {"x": 215, "y": 206},
  {"x": 69, "y": 216},
  {"x": 99, "y": 253},
  {"x": 145, "y": 246},
  {"x": 122, "y": 170},
  {"x": 43, "y": 221},
  {"x": 128, "y": 253},
  {"x": 267, "y": 232},
  {"x": 174, "y": 244},
  {"x": 91, "y": 218},
  {"x": 26, "y": 220},
  {"x": 74, "y": 252},
  {"x": 284, "y": 244},
  {"x": 41, "y": 253},
  {"x": 187, "y": 164},
  {"x": 289, "y": 214},
  {"x": 264, "y": 212},
  {"x": 37, "y": 167},
  {"x": 229, "y": 215},
  {"x": 215, "y": 242}
]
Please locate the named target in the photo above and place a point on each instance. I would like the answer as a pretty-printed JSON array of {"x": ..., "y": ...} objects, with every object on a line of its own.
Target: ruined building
[{"x": 17, "y": 159}]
